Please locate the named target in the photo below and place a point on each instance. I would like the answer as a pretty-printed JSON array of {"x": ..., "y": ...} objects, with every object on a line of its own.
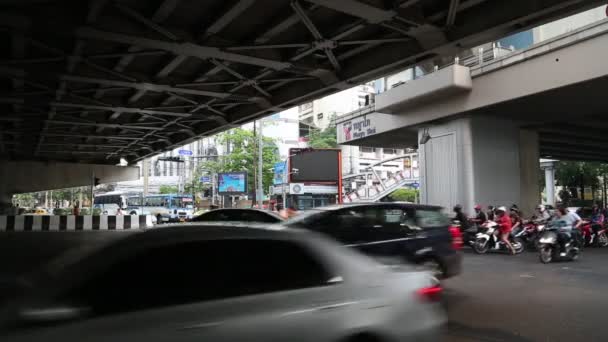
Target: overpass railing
[{"x": 378, "y": 188}]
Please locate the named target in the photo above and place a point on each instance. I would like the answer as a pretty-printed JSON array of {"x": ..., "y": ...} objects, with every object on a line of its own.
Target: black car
[
  {"x": 238, "y": 215},
  {"x": 391, "y": 232}
]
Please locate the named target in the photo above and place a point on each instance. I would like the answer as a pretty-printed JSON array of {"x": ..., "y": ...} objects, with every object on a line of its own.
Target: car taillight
[
  {"x": 456, "y": 238},
  {"x": 430, "y": 294}
]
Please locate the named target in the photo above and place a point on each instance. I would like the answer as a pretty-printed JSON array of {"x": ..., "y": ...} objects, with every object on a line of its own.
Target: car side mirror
[{"x": 55, "y": 313}]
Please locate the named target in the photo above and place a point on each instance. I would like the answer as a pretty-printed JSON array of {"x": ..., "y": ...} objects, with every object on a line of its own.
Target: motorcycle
[
  {"x": 469, "y": 234},
  {"x": 549, "y": 248},
  {"x": 593, "y": 238},
  {"x": 529, "y": 232},
  {"x": 487, "y": 240}
]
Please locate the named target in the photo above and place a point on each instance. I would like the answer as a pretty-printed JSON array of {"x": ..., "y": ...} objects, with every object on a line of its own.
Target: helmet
[
  {"x": 541, "y": 207},
  {"x": 477, "y": 207},
  {"x": 457, "y": 207},
  {"x": 502, "y": 208}
]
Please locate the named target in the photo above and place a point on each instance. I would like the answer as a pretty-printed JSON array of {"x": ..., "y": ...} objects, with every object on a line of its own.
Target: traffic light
[{"x": 95, "y": 181}]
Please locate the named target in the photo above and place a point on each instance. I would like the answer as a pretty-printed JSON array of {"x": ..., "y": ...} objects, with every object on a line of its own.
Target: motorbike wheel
[
  {"x": 545, "y": 254},
  {"x": 518, "y": 245},
  {"x": 602, "y": 240},
  {"x": 481, "y": 246}
]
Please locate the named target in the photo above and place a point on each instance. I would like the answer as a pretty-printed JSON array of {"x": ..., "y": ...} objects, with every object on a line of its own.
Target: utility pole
[
  {"x": 145, "y": 166},
  {"x": 92, "y": 189},
  {"x": 260, "y": 195}
]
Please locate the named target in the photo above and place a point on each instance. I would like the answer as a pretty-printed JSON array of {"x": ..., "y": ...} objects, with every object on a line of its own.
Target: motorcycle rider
[
  {"x": 571, "y": 222},
  {"x": 597, "y": 218},
  {"x": 515, "y": 217},
  {"x": 505, "y": 226},
  {"x": 542, "y": 214},
  {"x": 460, "y": 216},
  {"x": 491, "y": 213},
  {"x": 480, "y": 216}
]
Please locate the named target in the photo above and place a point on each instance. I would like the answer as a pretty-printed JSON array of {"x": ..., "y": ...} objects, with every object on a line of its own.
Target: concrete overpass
[
  {"x": 482, "y": 130},
  {"x": 95, "y": 81}
]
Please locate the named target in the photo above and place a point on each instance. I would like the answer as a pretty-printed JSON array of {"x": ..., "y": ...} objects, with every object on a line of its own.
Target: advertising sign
[
  {"x": 232, "y": 183},
  {"x": 279, "y": 169},
  {"x": 184, "y": 152},
  {"x": 322, "y": 165}
]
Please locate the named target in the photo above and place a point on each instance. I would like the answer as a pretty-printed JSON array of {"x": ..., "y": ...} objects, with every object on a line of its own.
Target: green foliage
[
  {"x": 326, "y": 138},
  {"x": 243, "y": 156},
  {"x": 168, "y": 189},
  {"x": 404, "y": 195},
  {"x": 574, "y": 176}
]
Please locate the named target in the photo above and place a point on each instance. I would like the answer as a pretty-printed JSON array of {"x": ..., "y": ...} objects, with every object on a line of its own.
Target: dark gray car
[{"x": 391, "y": 232}]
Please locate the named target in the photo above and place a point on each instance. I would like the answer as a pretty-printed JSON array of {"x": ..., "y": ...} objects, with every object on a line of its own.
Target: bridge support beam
[
  {"x": 481, "y": 160},
  {"x": 30, "y": 176}
]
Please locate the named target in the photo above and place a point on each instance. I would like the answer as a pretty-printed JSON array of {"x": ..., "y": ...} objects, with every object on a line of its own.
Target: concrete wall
[{"x": 496, "y": 165}]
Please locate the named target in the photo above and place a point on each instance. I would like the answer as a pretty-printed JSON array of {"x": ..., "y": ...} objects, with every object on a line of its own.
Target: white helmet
[
  {"x": 541, "y": 207},
  {"x": 502, "y": 208}
]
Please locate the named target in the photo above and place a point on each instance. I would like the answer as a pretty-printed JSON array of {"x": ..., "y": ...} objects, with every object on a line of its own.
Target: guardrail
[{"x": 18, "y": 223}]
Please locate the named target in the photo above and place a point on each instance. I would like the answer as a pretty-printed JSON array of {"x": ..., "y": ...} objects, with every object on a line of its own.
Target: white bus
[
  {"x": 165, "y": 207},
  {"x": 110, "y": 202}
]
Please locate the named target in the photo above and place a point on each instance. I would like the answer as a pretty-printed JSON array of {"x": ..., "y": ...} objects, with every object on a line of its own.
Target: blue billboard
[
  {"x": 232, "y": 183},
  {"x": 279, "y": 169}
]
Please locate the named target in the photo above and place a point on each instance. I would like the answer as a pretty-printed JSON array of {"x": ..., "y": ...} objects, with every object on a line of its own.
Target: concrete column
[
  {"x": 549, "y": 167},
  {"x": 480, "y": 160},
  {"x": 529, "y": 157}
]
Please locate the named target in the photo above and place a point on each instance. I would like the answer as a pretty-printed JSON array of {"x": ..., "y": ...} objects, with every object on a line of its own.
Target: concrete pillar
[
  {"x": 479, "y": 160},
  {"x": 549, "y": 167}
]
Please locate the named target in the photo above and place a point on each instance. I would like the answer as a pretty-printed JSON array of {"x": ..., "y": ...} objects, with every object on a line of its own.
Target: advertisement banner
[
  {"x": 279, "y": 169},
  {"x": 232, "y": 183}
]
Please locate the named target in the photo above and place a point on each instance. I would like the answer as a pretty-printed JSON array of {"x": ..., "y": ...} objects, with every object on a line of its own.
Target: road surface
[{"x": 516, "y": 298}]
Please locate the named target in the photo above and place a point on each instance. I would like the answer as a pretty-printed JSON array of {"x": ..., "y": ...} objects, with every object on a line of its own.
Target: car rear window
[{"x": 429, "y": 218}]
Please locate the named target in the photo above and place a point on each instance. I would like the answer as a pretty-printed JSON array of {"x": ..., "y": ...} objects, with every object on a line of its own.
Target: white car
[{"x": 191, "y": 283}]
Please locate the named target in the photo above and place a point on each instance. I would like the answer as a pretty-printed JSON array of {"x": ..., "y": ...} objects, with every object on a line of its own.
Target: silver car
[{"x": 189, "y": 283}]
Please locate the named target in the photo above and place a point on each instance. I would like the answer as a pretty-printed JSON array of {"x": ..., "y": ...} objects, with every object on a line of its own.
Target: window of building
[
  {"x": 198, "y": 271},
  {"x": 367, "y": 149},
  {"x": 320, "y": 116},
  {"x": 390, "y": 151}
]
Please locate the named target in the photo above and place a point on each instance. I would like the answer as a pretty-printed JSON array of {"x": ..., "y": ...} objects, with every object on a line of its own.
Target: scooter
[
  {"x": 468, "y": 235},
  {"x": 549, "y": 248},
  {"x": 487, "y": 240}
]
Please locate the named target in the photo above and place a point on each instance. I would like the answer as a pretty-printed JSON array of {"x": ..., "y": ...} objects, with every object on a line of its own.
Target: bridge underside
[{"x": 94, "y": 81}]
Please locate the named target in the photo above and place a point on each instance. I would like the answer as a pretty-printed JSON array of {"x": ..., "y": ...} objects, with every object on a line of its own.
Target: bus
[
  {"x": 165, "y": 207},
  {"x": 110, "y": 202}
]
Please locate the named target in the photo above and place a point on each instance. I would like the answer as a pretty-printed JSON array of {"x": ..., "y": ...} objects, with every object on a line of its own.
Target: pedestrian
[{"x": 76, "y": 210}]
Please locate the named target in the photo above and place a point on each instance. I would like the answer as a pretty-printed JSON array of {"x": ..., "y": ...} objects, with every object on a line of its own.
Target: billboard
[
  {"x": 232, "y": 183},
  {"x": 322, "y": 165},
  {"x": 279, "y": 169}
]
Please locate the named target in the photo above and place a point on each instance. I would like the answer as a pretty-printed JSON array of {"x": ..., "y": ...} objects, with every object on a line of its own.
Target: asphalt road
[{"x": 516, "y": 298}]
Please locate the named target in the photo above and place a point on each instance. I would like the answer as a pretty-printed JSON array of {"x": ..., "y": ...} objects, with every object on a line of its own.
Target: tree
[
  {"x": 323, "y": 138},
  {"x": 242, "y": 156},
  {"x": 404, "y": 195},
  {"x": 168, "y": 189}
]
